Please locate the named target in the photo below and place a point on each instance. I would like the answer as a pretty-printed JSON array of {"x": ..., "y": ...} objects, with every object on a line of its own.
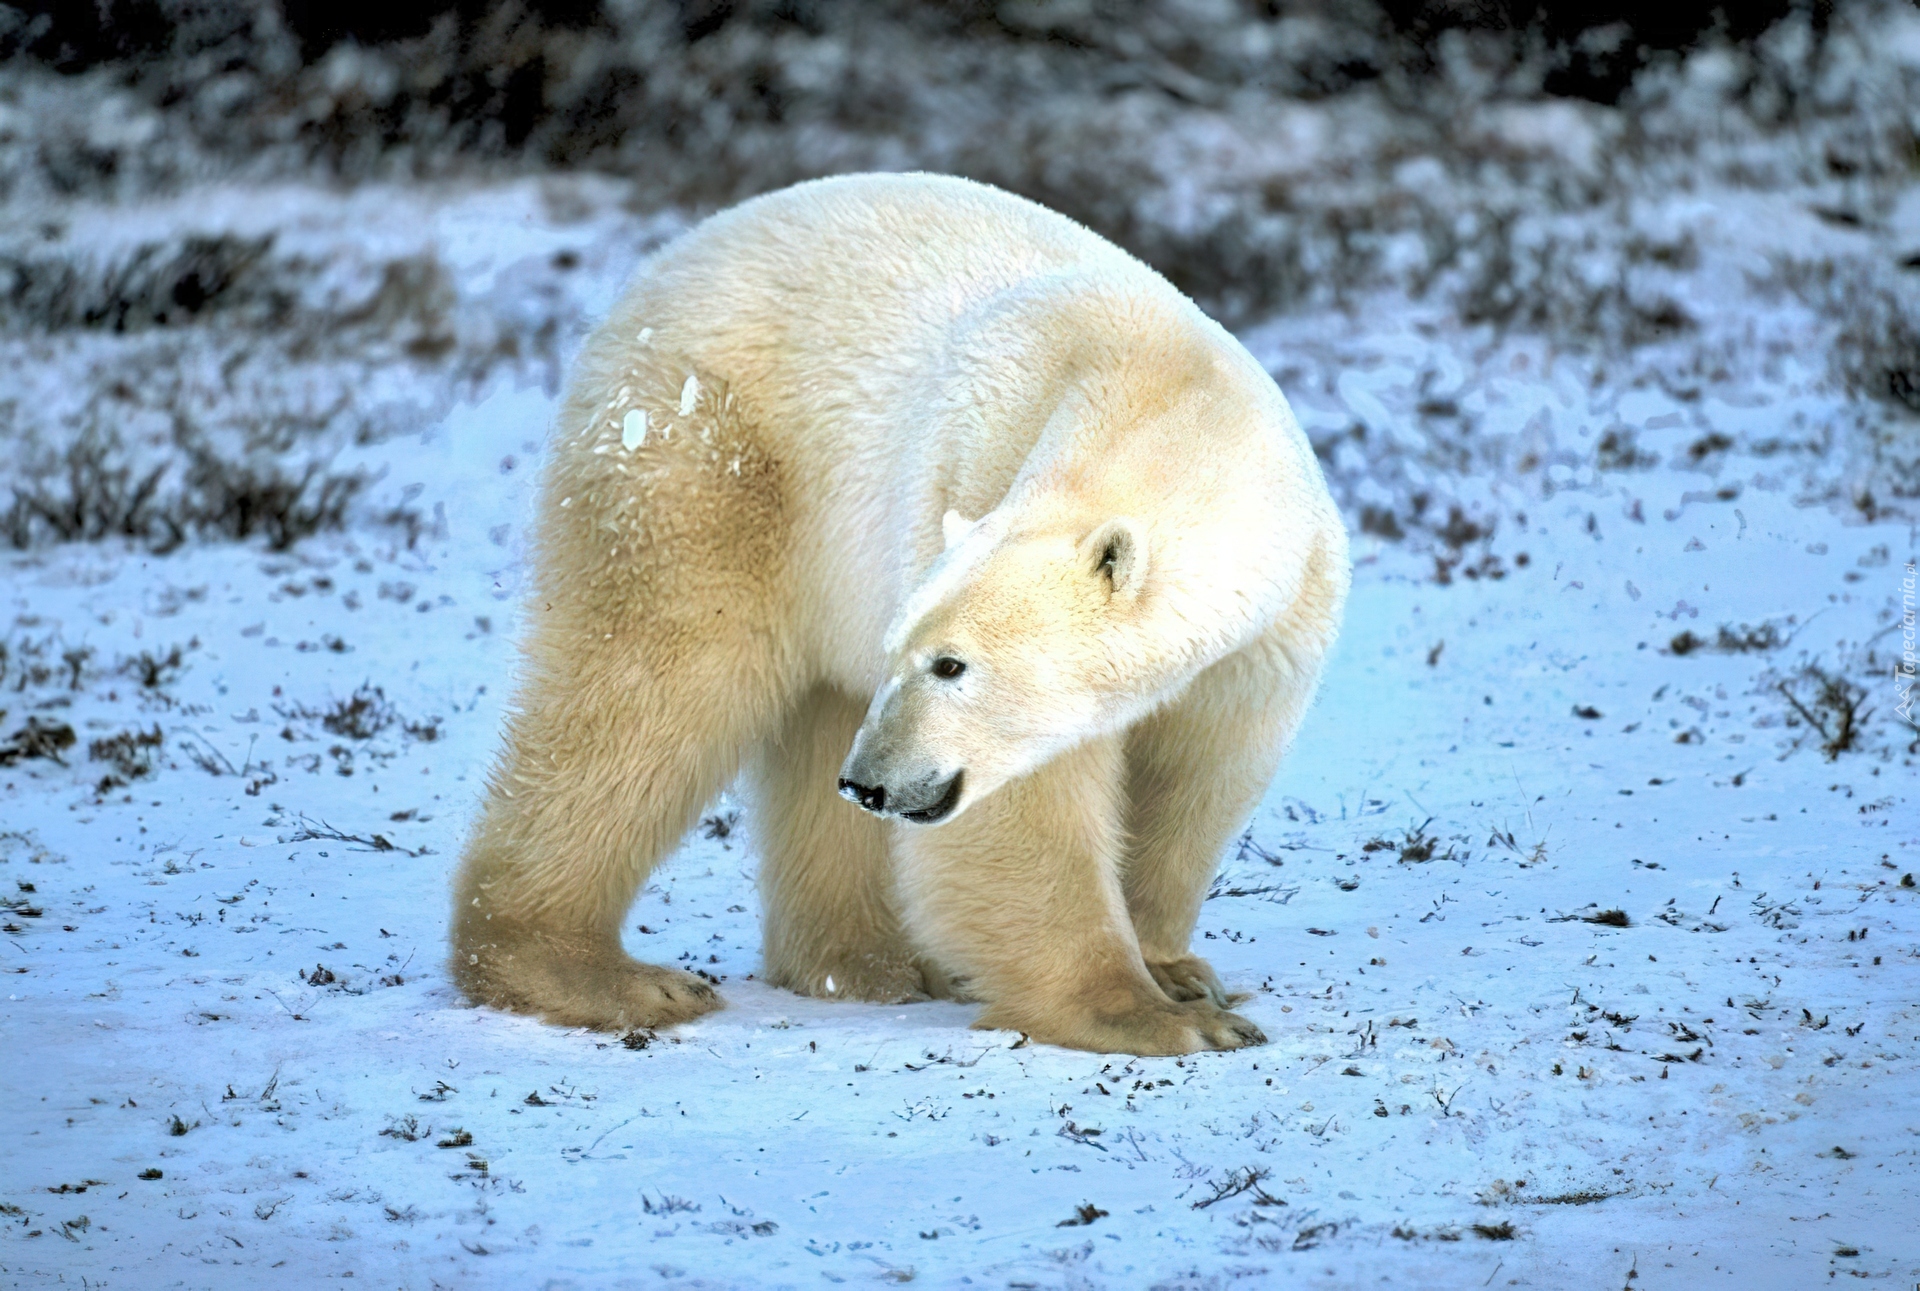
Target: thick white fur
[{"x": 834, "y": 378}]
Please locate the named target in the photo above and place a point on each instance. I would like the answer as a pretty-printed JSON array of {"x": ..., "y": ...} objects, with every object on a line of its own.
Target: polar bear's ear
[
  {"x": 1117, "y": 551},
  {"x": 954, "y": 527}
]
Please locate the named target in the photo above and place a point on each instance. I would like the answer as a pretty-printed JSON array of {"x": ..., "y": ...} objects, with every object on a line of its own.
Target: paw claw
[{"x": 1187, "y": 979}]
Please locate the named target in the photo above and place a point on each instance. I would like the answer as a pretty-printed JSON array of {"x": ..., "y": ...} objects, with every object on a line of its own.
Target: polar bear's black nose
[{"x": 872, "y": 797}]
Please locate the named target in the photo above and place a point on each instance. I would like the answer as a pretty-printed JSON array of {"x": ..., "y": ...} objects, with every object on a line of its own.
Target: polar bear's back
[
  {"x": 855, "y": 238},
  {"x": 854, "y": 280}
]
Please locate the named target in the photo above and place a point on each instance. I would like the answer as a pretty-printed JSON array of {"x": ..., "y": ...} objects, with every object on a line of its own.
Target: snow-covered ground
[{"x": 1583, "y": 963}]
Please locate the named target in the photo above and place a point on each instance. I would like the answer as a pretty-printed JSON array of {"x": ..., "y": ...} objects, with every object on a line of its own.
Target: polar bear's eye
[{"x": 947, "y": 667}]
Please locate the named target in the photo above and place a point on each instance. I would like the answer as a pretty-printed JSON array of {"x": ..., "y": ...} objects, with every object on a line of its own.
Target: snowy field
[
  {"x": 1585, "y": 931},
  {"x": 1583, "y": 963}
]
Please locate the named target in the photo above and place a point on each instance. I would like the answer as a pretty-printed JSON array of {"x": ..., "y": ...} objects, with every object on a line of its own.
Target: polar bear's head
[{"x": 1018, "y": 645}]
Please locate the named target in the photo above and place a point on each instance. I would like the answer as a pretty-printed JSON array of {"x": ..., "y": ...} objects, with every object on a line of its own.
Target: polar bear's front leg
[
  {"x": 832, "y": 918},
  {"x": 1021, "y": 896},
  {"x": 1195, "y": 770}
]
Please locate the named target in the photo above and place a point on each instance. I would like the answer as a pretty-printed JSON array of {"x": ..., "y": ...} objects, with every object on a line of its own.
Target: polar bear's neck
[
  {"x": 1164, "y": 419},
  {"x": 1115, "y": 399}
]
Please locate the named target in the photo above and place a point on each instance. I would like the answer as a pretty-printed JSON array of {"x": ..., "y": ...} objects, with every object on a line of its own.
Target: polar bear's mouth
[{"x": 940, "y": 810}]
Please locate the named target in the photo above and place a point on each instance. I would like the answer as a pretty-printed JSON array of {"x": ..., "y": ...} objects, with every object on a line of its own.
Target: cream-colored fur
[{"x": 830, "y": 439}]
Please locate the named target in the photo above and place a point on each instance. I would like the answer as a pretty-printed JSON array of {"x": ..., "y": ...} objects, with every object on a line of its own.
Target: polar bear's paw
[
  {"x": 634, "y": 995},
  {"x": 1154, "y": 1029},
  {"x": 1189, "y": 977},
  {"x": 1220, "y": 1029},
  {"x": 869, "y": 978},
  {"x": 573, "y": 985},
  {"x": 943, "y": 984}
]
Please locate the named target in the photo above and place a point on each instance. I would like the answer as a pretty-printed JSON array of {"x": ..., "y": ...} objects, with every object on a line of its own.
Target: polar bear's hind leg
[
  {"x": 654, "y": 661},
  {"x": 609, "y": 761}
]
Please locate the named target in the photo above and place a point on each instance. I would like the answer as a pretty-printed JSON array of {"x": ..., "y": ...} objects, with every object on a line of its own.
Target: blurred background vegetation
[
  {"x": 195, "y": 314},
  {"x": 1122, "y": 113}
]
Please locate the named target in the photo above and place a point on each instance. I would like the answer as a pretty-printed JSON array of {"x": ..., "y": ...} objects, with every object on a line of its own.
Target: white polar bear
[{"x": 754, "y": 533}]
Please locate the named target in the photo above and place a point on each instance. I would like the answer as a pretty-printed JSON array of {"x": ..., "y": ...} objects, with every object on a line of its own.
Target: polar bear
[{"x": 1002, "y": 573}]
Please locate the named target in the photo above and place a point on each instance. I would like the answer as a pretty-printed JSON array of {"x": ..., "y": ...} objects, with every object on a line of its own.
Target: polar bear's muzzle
[
  {"x": 892, "y": 771},
  {"x": 926, "y": 801},
  {"x": 940, "y": 808}
]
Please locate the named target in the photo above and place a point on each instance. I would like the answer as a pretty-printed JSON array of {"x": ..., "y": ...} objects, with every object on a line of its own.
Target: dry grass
[
  {"x": 1828, "y": 703},
  {"x": 97, "y": 492}
]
